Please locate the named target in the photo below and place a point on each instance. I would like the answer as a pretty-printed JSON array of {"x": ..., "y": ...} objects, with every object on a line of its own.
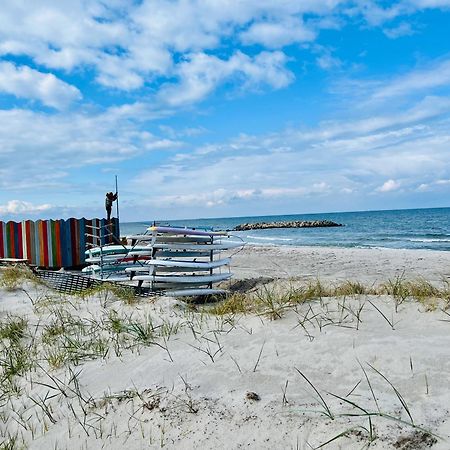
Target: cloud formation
[
  {"x": 50, "y": 145},
  {"x": 200, "y": 74},
  {"x": 24, "y": 82},
  {"x": 435, "y": 75},
  {"x": 389, "y": 186},
  {"x": 130, "y": 45},
  {"x": 301, "y": 167},
  {"x": 115, "y": 79},
  {"x": 18, "y": 207}
]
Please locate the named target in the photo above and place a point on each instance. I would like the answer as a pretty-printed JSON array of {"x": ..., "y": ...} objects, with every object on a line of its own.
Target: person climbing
[{"x": 110, "y": 198}]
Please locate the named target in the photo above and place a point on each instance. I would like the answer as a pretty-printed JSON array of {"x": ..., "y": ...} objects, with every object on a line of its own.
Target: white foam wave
[
  {"x": 428, "y": 240},
  {"x": 258, "y": 238}
]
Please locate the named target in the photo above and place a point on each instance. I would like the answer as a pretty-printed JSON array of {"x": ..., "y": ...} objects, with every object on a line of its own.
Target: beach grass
[
  {"x": 50, "y": 346},
  {"x": 11, "y": 278},
  {"x": 274, "y": 298}
]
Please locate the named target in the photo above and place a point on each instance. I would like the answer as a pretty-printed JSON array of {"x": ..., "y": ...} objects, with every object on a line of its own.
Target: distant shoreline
[
  {"x": 363, "y": 211},
  {"x": 409, "y": 229}
]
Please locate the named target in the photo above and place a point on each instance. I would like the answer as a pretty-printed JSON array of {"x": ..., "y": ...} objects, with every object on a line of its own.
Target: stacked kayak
[{"x": 169, "y": 260}]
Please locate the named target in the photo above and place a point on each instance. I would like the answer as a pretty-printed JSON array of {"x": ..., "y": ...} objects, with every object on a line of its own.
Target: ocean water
[{"x": 409, "y": 229}]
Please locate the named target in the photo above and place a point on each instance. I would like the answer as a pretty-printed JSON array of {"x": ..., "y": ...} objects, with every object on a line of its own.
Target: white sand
[
  {"x": 189, "y": 391},
  {"x": 338, "y": 264}
]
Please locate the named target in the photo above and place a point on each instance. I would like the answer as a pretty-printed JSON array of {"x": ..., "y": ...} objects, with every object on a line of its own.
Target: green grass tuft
[
  {"x": 12, "y": 277},
  {"x": 107, "y": 292},
  {"x": 349, "y": 288},
  {"x": 13, "y": 328},
  {"x": 233, "y": 304}
]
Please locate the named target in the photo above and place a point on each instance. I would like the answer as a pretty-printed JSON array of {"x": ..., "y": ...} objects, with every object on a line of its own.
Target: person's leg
[{"x": 108, "y": 214}]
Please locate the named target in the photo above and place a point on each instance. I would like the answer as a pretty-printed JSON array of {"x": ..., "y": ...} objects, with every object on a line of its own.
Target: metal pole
[{"x": 117, "y": 201}]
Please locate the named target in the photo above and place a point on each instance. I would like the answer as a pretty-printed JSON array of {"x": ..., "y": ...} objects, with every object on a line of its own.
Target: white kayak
[{"x": 215, "y": 278}]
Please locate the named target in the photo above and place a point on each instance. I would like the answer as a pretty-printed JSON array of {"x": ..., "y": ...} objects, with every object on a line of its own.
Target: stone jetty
[{"x": 288, "y": 224}]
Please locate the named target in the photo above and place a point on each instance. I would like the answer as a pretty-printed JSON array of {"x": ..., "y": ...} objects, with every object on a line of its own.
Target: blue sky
[{"x": 211, "y": 108}]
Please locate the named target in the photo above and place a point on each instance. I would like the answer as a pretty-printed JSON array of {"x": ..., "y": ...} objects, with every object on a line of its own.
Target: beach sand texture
[
  {"x": 374, "y": 265},
  {"x": 160, "y": 374}
]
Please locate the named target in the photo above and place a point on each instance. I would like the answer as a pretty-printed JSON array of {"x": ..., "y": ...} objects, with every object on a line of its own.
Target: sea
[{"x": 400, "y": 229}]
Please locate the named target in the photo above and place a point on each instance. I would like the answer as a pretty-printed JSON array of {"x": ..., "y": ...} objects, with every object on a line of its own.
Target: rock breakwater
[{"x": 288, "y": 224}]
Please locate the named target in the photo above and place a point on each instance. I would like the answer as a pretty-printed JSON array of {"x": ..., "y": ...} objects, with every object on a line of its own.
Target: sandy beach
[
  {"x": 347, "y": 371},
  {"x": 375, "y": 265}
]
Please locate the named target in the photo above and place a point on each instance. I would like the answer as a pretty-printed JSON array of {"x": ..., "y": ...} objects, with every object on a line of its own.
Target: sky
[{"x": 217, "y": 108}]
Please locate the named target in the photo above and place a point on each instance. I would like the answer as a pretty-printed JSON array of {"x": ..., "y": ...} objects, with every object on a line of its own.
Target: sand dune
[{"x": 99, "y": 372}]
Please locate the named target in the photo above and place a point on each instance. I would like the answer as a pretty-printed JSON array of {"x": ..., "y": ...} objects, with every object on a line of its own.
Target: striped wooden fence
[{"x": 54, "y": 243}]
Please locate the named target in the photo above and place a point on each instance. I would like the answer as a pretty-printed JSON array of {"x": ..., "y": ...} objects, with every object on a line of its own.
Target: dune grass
[
  {"x": 11, "y": 278},
  {"x": 110, "y": 292},
  {"x": 363, "y": 413},
  {"x": 63, "y": 335},
  {"x": 275, "y": 298}
]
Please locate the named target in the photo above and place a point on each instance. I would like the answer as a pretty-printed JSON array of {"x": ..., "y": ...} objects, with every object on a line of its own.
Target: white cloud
[
  {"x": 376, "y": 15},
  {"x": 435, "y": 75},
  {"x": 302, "y": 168},
  {"x": 433, "y": 184},
  {"x": 430, "y": 3},
  {"x": 224, "y": 196},
  {"x": 24, "y": 82},
  {"x": 423, "y": 187},
  {"x": 306, "y": 168},
  {"x": 389, "y": 186},
  {"x": 278, "y": 34},
  {"x": 190, "y": 48},
  {"x": 42, "y": 147},
  {"x": 17, "y": 207},
  {"x": 200, "y": 74},
  {"x": 403, "y": 29},
  {"x": 328, "y": 62},
  {"x": 129, "y": 45}
]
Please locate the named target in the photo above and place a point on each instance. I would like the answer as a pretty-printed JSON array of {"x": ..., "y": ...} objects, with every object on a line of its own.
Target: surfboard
[
  {"x": 198, "y": 247},
  {"x": 114, "y": 259},
  {"x": 170, "y": 238},
  {"x": 177, "y": 265},
  {"x": 112, "y": 277},
  {"x": 115, "y": 249},
  {"x": 95, "y": 268},
  {"x": 165, "y": 286},
  {"x": 189, "y": 264},
  {"x": 138, "y": 253},
  {"x": 166, "y": 270},
  {"x": 180, "y": 254},
  {"x": 215, "y": 278},
  {"x": 186, "y": 231}
]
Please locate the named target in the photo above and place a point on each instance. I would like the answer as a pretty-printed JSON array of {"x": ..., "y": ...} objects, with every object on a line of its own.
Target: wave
[
  {"x": 427, "y": 240},
  {"x": 269, "y": 239}
]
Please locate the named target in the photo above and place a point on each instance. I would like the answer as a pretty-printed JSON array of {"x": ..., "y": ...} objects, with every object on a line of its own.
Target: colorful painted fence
[{"x": 55, "y": 243}]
